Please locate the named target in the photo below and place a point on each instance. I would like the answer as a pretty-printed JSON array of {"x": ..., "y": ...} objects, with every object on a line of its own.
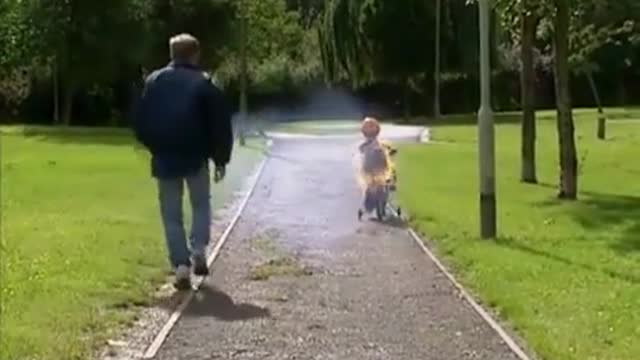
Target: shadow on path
[
  {"x": 212, "y": 302},
  {"x": 391, "y": 221}
]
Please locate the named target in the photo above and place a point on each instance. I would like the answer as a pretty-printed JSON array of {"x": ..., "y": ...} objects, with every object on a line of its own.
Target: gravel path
[{"x": 301, "y": 278}]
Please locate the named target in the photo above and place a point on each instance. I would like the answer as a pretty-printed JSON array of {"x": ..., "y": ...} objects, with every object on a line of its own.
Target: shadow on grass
[
  {"x": 515, "y": 117},
  {"x": 461, "y": 120},
  {"x": 90, "y": 136},
  {"x": 515, "y": 245},
  {"x": 73, "y": 135},
  {"x": 601, "y": 211}
]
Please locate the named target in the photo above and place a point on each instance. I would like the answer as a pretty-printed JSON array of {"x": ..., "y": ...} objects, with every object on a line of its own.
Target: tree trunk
[
  {"x": 56, "y": 93},
  {"x": 67, "y": 109},
  {"x": 407, "y": 101},
  {"x": 528, "y": 88},
  {"x": 243, "y": 81},
  {"x": 602, "y": 119},
  {"x": 567, "y": 146},
  {"x": 436, "y": 72},
  {"x": 622, "y": 91}
]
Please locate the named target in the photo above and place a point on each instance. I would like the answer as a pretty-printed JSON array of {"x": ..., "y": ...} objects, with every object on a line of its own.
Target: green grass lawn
[
  {"x": 82, "y": 243},
  {"x": 566, "y": 275}
]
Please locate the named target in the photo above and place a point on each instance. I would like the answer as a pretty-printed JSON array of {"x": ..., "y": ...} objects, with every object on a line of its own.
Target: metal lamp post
[{"x": 486, "y": 141}]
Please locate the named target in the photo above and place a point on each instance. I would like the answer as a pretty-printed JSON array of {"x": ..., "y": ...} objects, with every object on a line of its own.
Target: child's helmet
[{"x": 370, "y": 127}]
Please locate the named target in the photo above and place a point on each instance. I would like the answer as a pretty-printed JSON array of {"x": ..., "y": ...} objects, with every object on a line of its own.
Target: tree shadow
[
  {"x": 515, "y": 117},
  {"x": 469, "y": 119},
  {"x": 518, "y": 246},
  {"x": 602, "y": 211},
  {"x": 74, "y": 135},
  {"x": 209, "y": 301}
]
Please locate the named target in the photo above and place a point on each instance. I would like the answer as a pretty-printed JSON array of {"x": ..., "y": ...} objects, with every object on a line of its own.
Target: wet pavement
[{"x": 301, "y": 278}]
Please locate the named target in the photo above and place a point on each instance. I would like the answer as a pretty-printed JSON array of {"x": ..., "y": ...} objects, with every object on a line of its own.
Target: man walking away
[{"x": 183, "y": 120}]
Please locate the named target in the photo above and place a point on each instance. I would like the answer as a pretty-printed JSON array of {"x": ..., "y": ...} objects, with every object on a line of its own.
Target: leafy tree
[
  {"x": 310, "y": 11},
  {"x": 270, "y": 50},
  {"x": 566, "y": 130},
  {"x": 598, "y": 27},
  {"x": 522, "y": 18},
  {"x": 277, "y": 47},
  {"x": 211, "y": 21},
  {"x": 87, "y": 48},
  {"x": 82, "y": 42},
  {"x": 594, "y": 25},
  {"x": 14, "y": 79},
  {"x": 367, "y": 41}
]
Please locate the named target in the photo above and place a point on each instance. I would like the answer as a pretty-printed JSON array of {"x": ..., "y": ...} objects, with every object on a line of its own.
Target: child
[{"x": 376, "y": 167}]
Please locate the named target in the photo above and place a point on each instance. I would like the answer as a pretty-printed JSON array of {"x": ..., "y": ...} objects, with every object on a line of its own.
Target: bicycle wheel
[{"x": 381, "y": 208}]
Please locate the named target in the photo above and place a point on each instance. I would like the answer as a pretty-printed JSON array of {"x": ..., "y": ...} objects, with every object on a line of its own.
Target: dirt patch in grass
[
  {"x": 276, "y": 263},
  {"x": 285, "y": 266}
]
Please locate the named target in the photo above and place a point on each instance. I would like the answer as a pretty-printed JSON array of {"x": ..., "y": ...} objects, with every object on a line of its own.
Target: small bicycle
[{"x": 378, "y": 194}]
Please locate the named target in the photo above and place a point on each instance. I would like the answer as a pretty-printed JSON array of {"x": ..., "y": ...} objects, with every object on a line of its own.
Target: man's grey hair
[{"x": 183, "y": 47}]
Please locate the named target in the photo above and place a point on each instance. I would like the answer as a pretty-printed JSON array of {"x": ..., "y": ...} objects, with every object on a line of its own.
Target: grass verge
[
  {"x": 82, "y": 244},
  {"x": 566, "y": 275}
]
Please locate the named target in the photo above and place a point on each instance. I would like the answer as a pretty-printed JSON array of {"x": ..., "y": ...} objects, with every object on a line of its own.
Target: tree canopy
[{"x": 83, "y": 51}]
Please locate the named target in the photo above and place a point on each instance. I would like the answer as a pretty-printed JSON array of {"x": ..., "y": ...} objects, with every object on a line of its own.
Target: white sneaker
[{"x": 183, "y": 278}]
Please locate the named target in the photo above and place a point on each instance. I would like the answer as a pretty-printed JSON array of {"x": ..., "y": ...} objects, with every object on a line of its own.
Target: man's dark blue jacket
[{"x": 183, "y": 119}]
